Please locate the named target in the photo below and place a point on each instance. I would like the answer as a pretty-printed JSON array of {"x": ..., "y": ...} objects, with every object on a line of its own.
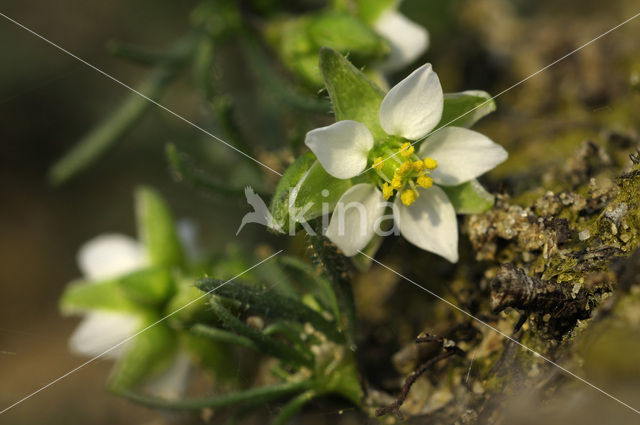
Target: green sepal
[
  {"x": 108, "y": 295},
  {"x": 157, "y": 229},
  {"x": 148, "y": 354},
  {"x": 469, "y": 197},
  {"x": 152, "y": 286},
  {"x": 308, "y": 195},
  {"x": 465, "y": 108},
  {"x": 353, "y": 95},
  {"x": 279, "y": 207}
]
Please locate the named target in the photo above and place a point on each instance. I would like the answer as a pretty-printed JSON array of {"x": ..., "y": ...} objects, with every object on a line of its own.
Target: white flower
[
  {"x": 448, "y": 157},
  {"x": 104, "y": 257},
  {"x": 111, "y": 256},
  {"x": 407, "y": 39}
]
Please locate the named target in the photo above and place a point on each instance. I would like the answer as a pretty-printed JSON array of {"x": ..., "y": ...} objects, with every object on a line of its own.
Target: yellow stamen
[
  {"x": 418, "y": 165},
  {"x": 377, "y": 164},
  {"x": 425, "y": 181},
  {"x": 396, "y": 182},
  {"x": 409, "y": 196},
  {"x": 430, "y": 163},
  {"x": 387, "y": 191},
  {"x": 406, "y": 150},
  {"x": 404, "y": 167}
]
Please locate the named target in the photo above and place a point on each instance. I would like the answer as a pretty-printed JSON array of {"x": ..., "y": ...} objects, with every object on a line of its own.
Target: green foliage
[{"x": 269, "y": 304}]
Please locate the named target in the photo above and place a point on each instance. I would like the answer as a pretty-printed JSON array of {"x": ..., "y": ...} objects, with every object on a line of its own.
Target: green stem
[
  {"x": 336, "y": 269},
  {"x": 293, "y": 406},
  {"x": 251, "y": 396},
  {"x": 264, "y": 342}
]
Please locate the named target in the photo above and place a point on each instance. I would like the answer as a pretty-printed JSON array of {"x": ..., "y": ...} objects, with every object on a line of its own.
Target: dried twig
[{"x": 450, "y": 349}]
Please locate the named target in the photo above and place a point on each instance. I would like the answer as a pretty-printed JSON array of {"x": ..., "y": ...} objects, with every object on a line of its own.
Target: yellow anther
[
  {"x": 406, "y": 150},
  {"x": 418, "y": 165},
  {"x": 409, "y": 196},
  {"x": 425, "y": 181},
  {"x": 387, "y": 191},
  {"x": 396, "y": 182},
  {"x": 404, "y": 167},
  {"x": 377, "y": 164},
  {"x": 430, "y": 163}
]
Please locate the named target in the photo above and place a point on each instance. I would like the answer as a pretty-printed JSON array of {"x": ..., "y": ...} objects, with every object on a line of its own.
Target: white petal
[
  {"x": 352, "y": 223},
  {"x": 171, "y": 384},
  {"x": 99, "y": 331},
  {"x": 462, "y": 155},
  {"x": 110, "y": 255},
  {"x": 407, "y": 39},
  {"x": 429, "y": 223},
  {"x": 341, "y": 148},
  {"x": 413, "y": 107}
]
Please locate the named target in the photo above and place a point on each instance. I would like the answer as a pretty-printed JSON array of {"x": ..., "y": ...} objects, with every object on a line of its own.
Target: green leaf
[
  {"x": 346, "y": 33},
  {"x": 83, "y": 296},
  {"x": 149, "y": 353},
  {"x": 353, "y": 95},
  {"x": 267, "y": 344},
  {"x": 253, "y": 396},
  {"x": 271, "y": 305},
  {"x": 316, "y": 193},
  {"x": 157, "y": 229},
  {"x": 469, "y": 197},
  {"x": 293, "y": 406},
  {"x": 151, "y": 286},
  {"x": 466, "y": 108}
]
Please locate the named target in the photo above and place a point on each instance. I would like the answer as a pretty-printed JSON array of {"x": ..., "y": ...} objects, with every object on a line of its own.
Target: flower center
[{"x": 409, "y": 171}]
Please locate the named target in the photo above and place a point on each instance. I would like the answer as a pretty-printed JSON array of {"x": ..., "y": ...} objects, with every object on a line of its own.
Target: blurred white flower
[
  {"x": 406, "y": 39},
  {"x": 111, "y": 256},
  {"x": 104, "y": 257}
]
